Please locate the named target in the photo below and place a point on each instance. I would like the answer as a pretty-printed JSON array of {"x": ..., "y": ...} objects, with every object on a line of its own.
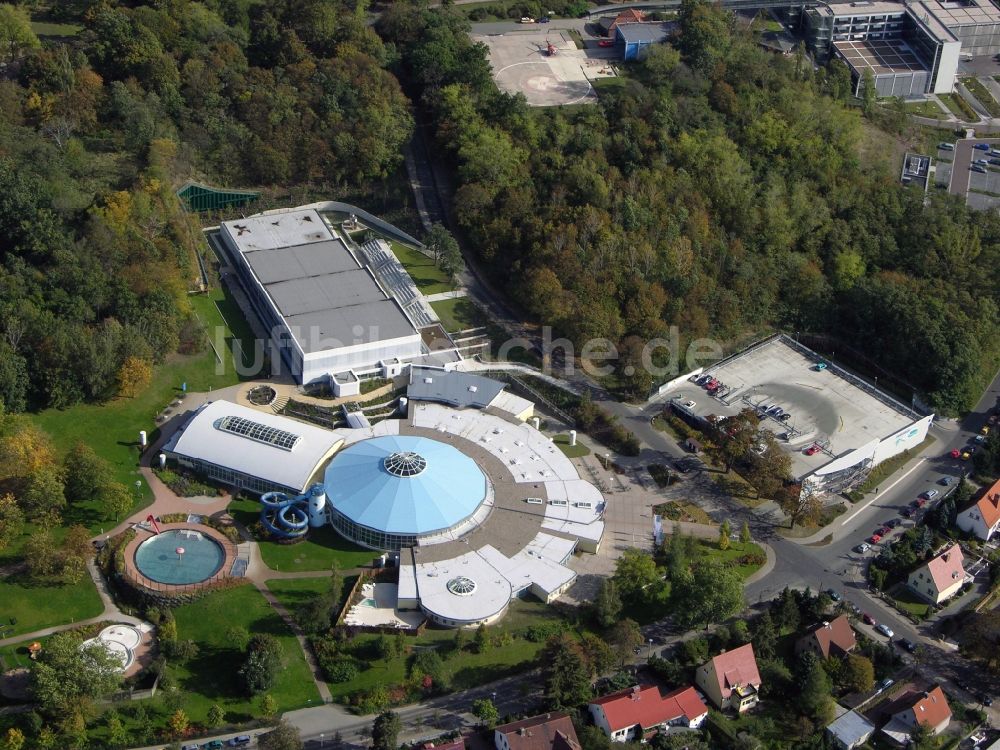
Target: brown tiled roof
[
  {"x": 643, "y": 705},
  {"x": 553, "y": 731},
  {"x": 930, "y": 708},
  {"x": 946, "y": 568},
  {"x": 989, "y": 505},
  {"x": 736, "y": 667},
  {"x": 836, "y": 636},
  {"x": 456, "y": 744}
]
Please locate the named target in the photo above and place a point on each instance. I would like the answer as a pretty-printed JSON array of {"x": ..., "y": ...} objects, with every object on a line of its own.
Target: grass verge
[
  {"x": 571, "y": 451},
  {"x": 983, "y": 96},
  {"x": 682, "y": 510},
  {"x": 924, "y": 109},
  {"x": 959, "y": 107},
  {"x": 295, "y": 593}
]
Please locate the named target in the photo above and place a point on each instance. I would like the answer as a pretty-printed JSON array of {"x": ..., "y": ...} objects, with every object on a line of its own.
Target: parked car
[
  {"x": 875, "y": 538},
  {"x": 929, "y": 494},
  {"x": 995, "y": 162},
  {"x": 956, "y": 453},
  {"x": 947, "y": 481},
  {"x": 868, "y": 618},
  {"x": 785, "y": 417},
  {"x": 543, "y": 19},
  {"x": 885, "y": 685},
  {"x": 833, "y": 595},
  {"x": 985, "y": 430},
  {"x": 529, "y": 19},
  {"x": 982, "y": 146},
  {"x": 862, "y": 548},
  {"x": 884, "y": 630},
  {"x": 985, "y": 700},
  {"x": 906, "y": 644},
  {"x": 978, "y": 168},
  {"x": 812, "y": 450},
  {"x": 966, "y": 454},
  {"x": 883, "y": 531},
  {"x": 945, "y": 146},
  {"x": 984, "y": 162},
  {"x": 907, "y": 512},
  {"x": 244, "y": 739},
  {"x": 979, "y": 439},
  {"x": 606, "y": 43},
  {"x": 892, "y": 523},
  {"x": 919, "y": 502},
  {"x": 820, "y": 366},
  {"x": 191, "y": 746},
  {"x": 212, "y": 745}
]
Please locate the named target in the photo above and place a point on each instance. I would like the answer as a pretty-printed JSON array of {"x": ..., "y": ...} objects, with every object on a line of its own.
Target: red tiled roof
[
  {"x": 930, "y": 708},
  {"x": 643, "y": 705},
  {"x": 553, "y": 731},
  {"x": 630, "y": 16},
  {"x": 736, "y": 667},
  {"x": 836, "y": 633},
  {"x": 455, "y": 744},
  {"x": 989, "y": 505},
  {"x": 946, "y": 568}
]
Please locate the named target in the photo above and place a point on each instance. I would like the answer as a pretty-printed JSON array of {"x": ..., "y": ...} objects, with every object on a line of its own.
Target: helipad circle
[{"x": 389, "y": 492}]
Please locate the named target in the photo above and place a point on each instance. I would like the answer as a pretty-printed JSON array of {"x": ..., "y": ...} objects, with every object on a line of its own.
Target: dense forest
[
  {"x": 718, "y": 188},
  {"x": 98, "y": 128}
]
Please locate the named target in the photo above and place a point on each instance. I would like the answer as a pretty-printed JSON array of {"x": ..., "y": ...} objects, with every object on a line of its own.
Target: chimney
[
  {"x": 826, "y": 624},
  {"x": 522, "y": 731}
]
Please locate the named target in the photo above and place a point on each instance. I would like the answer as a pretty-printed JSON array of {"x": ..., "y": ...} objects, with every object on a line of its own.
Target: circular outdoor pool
[{"x": 158, "y": 557}]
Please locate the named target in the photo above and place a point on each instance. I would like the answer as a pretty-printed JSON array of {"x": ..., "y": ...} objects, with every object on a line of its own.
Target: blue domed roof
[{"x": 404, "y": 484}]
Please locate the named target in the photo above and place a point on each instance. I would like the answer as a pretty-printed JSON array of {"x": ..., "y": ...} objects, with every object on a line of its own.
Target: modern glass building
[{"x": 395, "y": 491}]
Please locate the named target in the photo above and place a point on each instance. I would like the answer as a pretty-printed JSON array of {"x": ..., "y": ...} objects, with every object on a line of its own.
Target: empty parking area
[{"x": 522, "y": 63}]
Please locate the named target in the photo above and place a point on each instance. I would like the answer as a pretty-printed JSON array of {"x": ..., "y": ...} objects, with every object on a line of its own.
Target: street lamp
[
  {"x": 322, "y": 741},
  {"x": 650, "y": 654}
]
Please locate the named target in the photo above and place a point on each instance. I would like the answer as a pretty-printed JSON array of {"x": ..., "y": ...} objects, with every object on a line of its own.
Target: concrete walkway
[{"x": 455, "y": 294}]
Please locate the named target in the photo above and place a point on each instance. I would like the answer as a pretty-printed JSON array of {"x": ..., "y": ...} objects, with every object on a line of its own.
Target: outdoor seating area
[{"x": 377, "y": 609}]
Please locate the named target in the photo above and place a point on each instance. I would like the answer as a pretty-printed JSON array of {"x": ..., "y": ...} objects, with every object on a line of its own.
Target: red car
[
  {"x": 812, "y": 450},
  {"x": 875, "y": 538},
  {"x": 606, "y": 43},
  {"x": 919, "y": 502},
  {"x": 883, "y": 530},
  {"x": 868, "y": 618},
  {"x": 956, "y": 453}
]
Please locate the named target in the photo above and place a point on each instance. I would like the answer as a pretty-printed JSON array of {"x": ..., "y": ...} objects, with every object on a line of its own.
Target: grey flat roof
[
  {"x": 328, "y": 300},
  {"x": 455, "y": 388},
  {"x": 825, "y": 405},
  {"x": 644, "y": 32},
  {"x": 363, "y": 323},
  {"x": 851, "y": 728},
  {"x": 299, "y": 261}
]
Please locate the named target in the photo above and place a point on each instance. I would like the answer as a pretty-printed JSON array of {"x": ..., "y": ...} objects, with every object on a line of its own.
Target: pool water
[{"x": 157, "y": 558}]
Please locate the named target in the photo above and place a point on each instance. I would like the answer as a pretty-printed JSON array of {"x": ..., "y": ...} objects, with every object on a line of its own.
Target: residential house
[
  {"x": 608, "y": 24},
  {"x": 552, "y": 731},
  {"x": 849, "y": 730},
  {"x": 731, "y": 679},
  {"x": 834, "y": 638},
  {"x": 636, "y": 712},
  {"x": 915, "y": 708},
  {"x": 983, "y": 518},
  {"x": 939, "y": 578}
]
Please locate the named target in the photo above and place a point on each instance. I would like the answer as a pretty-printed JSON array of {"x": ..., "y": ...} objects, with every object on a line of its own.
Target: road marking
[{"x": 863, "y": 507}]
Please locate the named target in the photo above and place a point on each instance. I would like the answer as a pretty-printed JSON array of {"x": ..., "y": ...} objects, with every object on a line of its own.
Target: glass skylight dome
[{"x": 390, "y": 492}]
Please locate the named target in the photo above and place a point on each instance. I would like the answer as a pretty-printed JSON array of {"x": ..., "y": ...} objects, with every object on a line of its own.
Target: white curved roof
[{"x": 204, "y": 438}]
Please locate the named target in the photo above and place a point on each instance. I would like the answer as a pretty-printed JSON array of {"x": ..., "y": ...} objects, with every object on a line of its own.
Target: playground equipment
[{"x": 290, "y": 516}]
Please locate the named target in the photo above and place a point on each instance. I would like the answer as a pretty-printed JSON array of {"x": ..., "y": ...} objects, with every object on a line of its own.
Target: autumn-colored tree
[
  {"x": 133, "y": 376},
  {"x": 11, "y": 520},
  {"x": 14, "y": 739},
  {"x": 268, "y": 706},
  {"x": 178, "y": 723},
  {"x": 724, "y": 531}
]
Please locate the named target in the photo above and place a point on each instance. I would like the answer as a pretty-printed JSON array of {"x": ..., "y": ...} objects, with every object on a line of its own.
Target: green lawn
[
  {"x": 924, "y": 109},
  {"x": 429, "y": 278},
  {"x": 37, "y": 607},
  {"x": 112, "y": 429},
  {"x": 295, "y": 592},
  {"x": 211, "y": 677},
  {"x": 458, "y": 314},
  {"x": 466, "y": 670},
  {"x": 909, "y": 603},
  {"x": 575, "y": 451},
  {"x": 709, "y": 551},
  {"x": 323, "y": 547}
]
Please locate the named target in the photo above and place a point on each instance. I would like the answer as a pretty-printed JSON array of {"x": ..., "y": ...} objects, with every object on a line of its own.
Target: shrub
[{"x": 342, "y": 670}]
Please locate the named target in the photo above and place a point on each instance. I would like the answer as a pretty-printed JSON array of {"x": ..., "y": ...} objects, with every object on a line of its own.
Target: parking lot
[
  {"x": 980, "y": 190},
  {"x": 522, "y": 64}
]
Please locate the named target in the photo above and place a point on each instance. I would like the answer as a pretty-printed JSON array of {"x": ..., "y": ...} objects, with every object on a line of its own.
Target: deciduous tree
[
  {"x": 282, "y": 737},
  {"x": 607, "y": 606},
  {"x": 385, "y": 731},
  {"x": 68, "y": 675},
  {"x": 565, "y": 672}
]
